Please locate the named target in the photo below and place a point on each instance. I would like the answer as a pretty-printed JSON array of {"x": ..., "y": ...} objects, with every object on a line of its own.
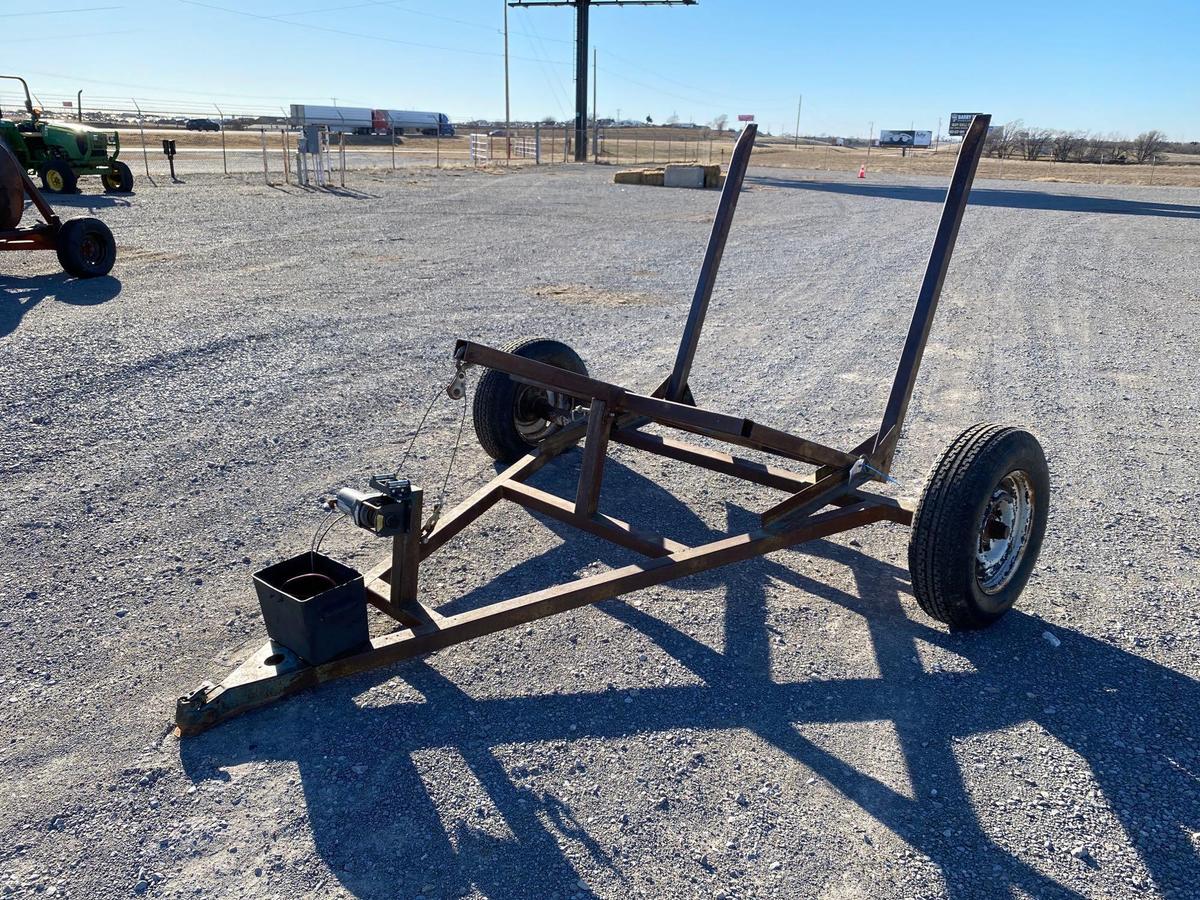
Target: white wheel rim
[{"x": 1004, "y": 531}]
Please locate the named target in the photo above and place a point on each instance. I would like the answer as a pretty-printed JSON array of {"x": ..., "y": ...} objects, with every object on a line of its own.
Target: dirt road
[{"x": 788, "y": 727}]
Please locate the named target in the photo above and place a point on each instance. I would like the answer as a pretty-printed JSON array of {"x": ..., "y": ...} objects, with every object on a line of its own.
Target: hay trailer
[{"x": 975, "y": 534}]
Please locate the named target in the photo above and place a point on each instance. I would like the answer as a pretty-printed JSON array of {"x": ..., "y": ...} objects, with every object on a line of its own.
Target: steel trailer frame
[
  {"x": 35, "y": 237},
  {"x": 829, "y": 501}
]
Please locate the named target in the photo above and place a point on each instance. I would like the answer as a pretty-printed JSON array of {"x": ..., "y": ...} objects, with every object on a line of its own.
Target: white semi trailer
[{"x": 359, "y": 120}]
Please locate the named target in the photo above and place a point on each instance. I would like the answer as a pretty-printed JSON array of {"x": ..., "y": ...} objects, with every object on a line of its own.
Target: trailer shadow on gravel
[
  {"x": 20, "y": 294},
  {"x": 391, "y": 832},
  {"x": 980, "y": 196}
]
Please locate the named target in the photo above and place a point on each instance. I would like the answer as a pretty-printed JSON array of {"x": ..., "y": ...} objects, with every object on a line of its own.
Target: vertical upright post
[
  {"x": 342, "y": 154},
  {"x": 676, "y": 386},
  {"x": 507, "y": 111},
  {"x": 392, "y": 134},
  {"x": 224, "y": 159},
  {"x": 406, "y": 555},
  {"x": 595, "y": 111},
  {"x": 262, "y": 132},
  {"x": 581, "y": 79},
  {"x": 145, "y": 155},
  {"x": 591, "y": 469},
  {"x": 537, "y": 144},
  {"x": 931, "y": 290},
  {"x": 799, "y": 106},
  {"x": 566, "y": 142},
  {"x": 79, "y": 105}
]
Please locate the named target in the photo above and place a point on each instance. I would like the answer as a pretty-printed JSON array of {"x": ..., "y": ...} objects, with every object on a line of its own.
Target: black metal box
[{"x": 314, "y": 606}]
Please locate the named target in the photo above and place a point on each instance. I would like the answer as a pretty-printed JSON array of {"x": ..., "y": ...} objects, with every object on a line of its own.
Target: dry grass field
[{"x": 631, "y": 146}]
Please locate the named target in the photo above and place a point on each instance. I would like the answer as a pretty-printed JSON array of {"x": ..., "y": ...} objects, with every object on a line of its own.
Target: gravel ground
[{"x": 792, "y": 726}]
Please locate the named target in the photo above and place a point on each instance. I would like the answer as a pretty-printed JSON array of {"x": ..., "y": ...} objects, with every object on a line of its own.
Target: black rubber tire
[
  {"x": 119, "y": 180},
  {"x": 496, "y": 396},
  {"x": 947, "y": 526},
  {"x": 86, "y": 248},
  {"x": 70, "y": 181}
]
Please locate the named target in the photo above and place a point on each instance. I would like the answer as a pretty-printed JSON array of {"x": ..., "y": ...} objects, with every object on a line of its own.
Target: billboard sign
[
  {"x": 906, "y": 138},
  {"x": 745, "y": 117},
  {"x": 960, "y": 122}
]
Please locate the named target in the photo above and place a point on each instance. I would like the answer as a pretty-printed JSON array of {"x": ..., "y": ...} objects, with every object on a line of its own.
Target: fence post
[
  {"x": 283, "y": 135},
  {"x": 262, "y": 133},
  {"x": 564, "y": 143},
  {"x": 342, "y": 154},
  {"x": 537, "y": 144},
  {"x": 145, "y": 156},
  {"x": 392, "y": 132},
  {"x": 224, "y": 160}
]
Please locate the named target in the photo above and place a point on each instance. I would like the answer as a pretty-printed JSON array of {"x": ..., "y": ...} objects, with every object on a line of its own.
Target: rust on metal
[{"x": 830, "y": 500}]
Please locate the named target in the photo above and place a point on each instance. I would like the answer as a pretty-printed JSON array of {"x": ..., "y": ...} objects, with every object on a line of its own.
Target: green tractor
[{"x": 59, "y": 152}]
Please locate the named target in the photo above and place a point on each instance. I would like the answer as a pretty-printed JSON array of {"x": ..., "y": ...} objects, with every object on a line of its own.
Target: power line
[
  {"x": 354, "y": 34},
  {"x": 59, "y": 12},
  {"x": 582, "y": 10}
]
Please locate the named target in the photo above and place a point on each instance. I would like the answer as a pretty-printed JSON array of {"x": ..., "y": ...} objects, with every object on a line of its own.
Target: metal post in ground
[
  {"x": 79, "y": 105},
  {"x": 437, "y": 164},
  {"x": 537, "y": 144},
  {"x": 145, "y": 155},
  {"x": 283, "y": 137},
  {"x": 507, "y": 113},
  {"x": 565, "y": 142},
  {"x": 224, "y": 159},
  {"x": 392, "y": 133},
  {"x": 262, "y": 132},
  {"x": 342, "y": 155}
]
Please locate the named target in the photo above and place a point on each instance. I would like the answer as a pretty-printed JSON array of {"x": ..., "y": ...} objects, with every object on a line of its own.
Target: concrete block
[
  {"x": 631, "y": 176},
  {"x": 684, "y": 176}
]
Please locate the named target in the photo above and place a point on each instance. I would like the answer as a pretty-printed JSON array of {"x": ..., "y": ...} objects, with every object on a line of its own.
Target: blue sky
[{"x": 1098, "y": 65}]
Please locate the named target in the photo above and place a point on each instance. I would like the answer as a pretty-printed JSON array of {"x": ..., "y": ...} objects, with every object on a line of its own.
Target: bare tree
[
  {"x": 1064, "y": 144},
  {"x": 1033, "y": 141},
  {"x": 720, "y": 122},
  {"x": 1148, "y": 146},
  {"x": 1002, "y": 140}
]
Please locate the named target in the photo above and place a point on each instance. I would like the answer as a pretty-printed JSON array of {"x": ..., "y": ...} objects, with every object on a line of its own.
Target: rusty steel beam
[
  {"x": 965, "y": 166},
  {"x": 602, "y": 526},
  {"x": 595, "y": 451},
  {"x": 726, "y": 207},
  {"x": 274, "y": 671},
  {"x": 713, "y": 460}
]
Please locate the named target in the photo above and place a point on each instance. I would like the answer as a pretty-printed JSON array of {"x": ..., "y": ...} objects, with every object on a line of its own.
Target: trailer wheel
[
  {"x": 58, "y": 177},
  {"x": 118, "y": 179},
  {"x": 86, "y": 248},
  {"x": 979, "y": 526},
  {"x": 510, "y": 417}
]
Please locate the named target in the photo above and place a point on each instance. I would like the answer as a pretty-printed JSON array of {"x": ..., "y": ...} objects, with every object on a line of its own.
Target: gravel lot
[{"x": 788, "y": 727}]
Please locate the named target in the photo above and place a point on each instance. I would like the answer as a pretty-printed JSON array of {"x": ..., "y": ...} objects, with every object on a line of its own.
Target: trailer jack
[{"x": 975, "y": 535}]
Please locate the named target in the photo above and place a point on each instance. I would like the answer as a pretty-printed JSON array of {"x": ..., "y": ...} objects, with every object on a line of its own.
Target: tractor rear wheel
[
  {"x": 58, "y": 177},
  {"x": 118, "y": 179},
  {"x": 86, "y": 248},
  {"x": 979, "y": 526},
  {"x": 512, "y": 418}
]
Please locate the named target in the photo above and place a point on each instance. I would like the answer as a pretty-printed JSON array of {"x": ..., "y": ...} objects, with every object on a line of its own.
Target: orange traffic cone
[{"x": 862, "y": 171}]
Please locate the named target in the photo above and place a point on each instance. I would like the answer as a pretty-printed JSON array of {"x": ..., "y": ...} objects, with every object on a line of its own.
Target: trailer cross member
[{"x": 832, "y": 499}]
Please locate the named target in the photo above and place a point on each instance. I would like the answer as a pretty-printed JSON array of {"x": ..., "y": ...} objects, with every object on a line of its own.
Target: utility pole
[
  {"x": 799, "y": 106},
  {"x": 507, "y": 109},
  {"x": 582, "y": 7}
]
